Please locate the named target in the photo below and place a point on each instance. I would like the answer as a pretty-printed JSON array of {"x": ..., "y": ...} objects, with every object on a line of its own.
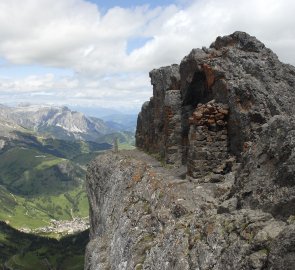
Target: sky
[{"x": 97, "y": 54}]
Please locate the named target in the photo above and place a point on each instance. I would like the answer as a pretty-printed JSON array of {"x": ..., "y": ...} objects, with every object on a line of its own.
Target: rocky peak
[
  {"x": 255, "y": 86},
  {"x": 240, "y": 40},
  {"x": 167, "y": 77},
  {"x": 240, "y": 76},
  {"x": 221, "y": 194}
]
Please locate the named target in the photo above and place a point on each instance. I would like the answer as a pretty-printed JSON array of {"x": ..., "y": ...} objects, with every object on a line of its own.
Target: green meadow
[{"x": 43, "y": 179}]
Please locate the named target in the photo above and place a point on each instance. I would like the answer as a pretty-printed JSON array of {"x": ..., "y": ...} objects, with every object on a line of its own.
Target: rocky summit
[{"x": 212, "y": 184}]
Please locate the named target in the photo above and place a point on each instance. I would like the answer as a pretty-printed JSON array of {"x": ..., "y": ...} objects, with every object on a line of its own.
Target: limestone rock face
[
  {"x": 266, "y": 178},
  {"x": 222, "y": 193}
]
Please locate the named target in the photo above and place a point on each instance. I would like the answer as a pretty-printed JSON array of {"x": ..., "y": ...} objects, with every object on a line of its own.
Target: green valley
[
  {"x": 44, "y": 207},
  {"x": 42, "y": 180},
  {"x": 35, "y": 212},
  {"x": 44, "y": 154},
  {"x": 23, "y": 251}
]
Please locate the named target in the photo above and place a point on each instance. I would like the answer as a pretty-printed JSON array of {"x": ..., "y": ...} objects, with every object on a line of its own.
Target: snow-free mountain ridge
[{"x": 58, "y": 122}]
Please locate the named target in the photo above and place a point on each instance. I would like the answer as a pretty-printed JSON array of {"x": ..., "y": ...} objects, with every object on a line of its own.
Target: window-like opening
[{"x": 197, "y": 92}]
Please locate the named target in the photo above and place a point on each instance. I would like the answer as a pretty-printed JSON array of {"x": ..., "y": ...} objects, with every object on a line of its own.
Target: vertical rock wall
[
  {"x": 172, "y": 127},
  {"x": 157, "y": 128}
]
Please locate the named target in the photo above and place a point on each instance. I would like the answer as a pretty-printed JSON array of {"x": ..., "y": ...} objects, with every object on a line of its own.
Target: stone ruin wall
[
  {"x": 236, "y": 71},
  {"x": 208, "y": 140},
  {"x": 176, "y": 127},
  {"x": 179, "y": 129}
]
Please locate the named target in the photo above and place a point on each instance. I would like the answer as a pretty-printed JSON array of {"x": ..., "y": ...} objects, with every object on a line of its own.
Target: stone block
[{"x": 228, "y": 206}]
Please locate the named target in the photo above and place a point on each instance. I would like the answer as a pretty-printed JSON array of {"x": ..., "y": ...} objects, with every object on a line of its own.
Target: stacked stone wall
[{"x": 208, "y": 140}]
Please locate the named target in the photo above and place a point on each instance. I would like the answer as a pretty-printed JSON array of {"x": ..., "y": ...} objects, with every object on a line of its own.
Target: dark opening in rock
[{"x": 197, "y": 91}]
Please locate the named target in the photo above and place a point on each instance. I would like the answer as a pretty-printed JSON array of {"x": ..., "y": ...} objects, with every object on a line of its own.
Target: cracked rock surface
[{"x": 145, "y": 216}]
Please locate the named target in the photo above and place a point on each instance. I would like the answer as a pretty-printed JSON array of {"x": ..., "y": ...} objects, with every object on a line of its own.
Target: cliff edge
[{"x": 221, "y": 193}]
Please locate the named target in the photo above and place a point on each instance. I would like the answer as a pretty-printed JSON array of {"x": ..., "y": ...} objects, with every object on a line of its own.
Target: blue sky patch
[
  {"x": 22, "y": 71},
  {"x": 102, "y": 4},
  {"x": 136, "y": 42}
]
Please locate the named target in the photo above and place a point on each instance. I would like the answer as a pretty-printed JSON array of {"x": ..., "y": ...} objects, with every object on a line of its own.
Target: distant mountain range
[
  {"x": 62, "y": 123},
  {"x": 121, "y": 122}
]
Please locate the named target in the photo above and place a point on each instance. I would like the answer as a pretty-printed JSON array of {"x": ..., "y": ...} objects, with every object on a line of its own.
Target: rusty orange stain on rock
[{"x": 210, "y": 78}]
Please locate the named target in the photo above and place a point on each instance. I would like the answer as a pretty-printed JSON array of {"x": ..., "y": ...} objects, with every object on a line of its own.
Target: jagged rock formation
[{"x": 223, "y": 123}]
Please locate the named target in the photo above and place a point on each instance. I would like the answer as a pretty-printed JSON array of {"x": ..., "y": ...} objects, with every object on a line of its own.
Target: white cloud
[
  {"x": 200, "y": 23},
  {"x": 120, "y": 92},
  {"x": 73, "y": 34}
]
